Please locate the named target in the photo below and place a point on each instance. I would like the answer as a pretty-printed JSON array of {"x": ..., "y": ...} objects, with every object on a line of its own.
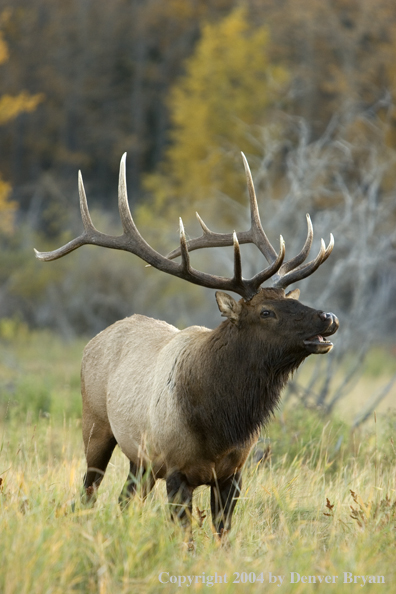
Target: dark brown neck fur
[{"x": 232, "y": 386}]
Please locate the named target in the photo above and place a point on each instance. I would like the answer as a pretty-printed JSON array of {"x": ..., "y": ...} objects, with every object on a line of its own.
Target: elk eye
[{"x": 265, "y": 313}]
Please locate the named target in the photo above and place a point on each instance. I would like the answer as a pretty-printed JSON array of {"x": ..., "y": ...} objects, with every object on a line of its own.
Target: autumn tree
[
  {"x": 340, "y": 53},
  {"x": 10, "y": 108},
  {"x": 227, "y": 90},
  {"x": 105, "y": 69}
]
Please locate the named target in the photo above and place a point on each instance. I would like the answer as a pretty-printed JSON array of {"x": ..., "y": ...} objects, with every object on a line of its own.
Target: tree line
[
  {"x": 109, "y": 77},
  {"x": 305, "y": 89}
]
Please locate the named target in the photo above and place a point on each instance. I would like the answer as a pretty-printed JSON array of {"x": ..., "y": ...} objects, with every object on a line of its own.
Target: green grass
[
  {"x": 39, "y": 373},
  {"x": 50, "y": 544},
  {"x": 381, "y": 361}
]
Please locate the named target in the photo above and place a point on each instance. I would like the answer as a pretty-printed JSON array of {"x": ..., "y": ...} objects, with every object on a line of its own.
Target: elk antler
[
  {"x": 132, "y": 241},
  {"x": 291, "y": 271}
]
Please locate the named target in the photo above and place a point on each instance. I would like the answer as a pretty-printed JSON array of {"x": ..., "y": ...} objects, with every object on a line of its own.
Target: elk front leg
[
  {"x": 98, "y": 453},
  {"x": 223, "y": 498},
  {"x": 180, "y": 499},
  {"x": 139, "y": 478}
]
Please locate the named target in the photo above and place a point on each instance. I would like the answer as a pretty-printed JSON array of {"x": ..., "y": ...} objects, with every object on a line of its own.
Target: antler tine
[
  {"x": 82, "y": 239},
  {"x": 329, "y": 248},
  {"x": 66, "y": 249},
  {"x": 211, "y": 239},
  {"x": 127, "y": 221},
  {"x": 237, "y": 260},
  {"x": 257, "y": 232},
  {"x": 183, "y": 247},
  {"x": 292, "y": 270},
  {"x": 307, "y": 269},
  {"x": 86, "y": 217},
  {"x": 205, "y": 228},
  {"x": 302, "y": 256},
  {"x": 264, "y": 275}
]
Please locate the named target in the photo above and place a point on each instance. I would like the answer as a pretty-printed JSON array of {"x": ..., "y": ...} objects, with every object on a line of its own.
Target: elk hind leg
[
  {"x": 99, "y": 445},
  {"x": 223, "y": 498},
  {"x": 139, "y": 479}
]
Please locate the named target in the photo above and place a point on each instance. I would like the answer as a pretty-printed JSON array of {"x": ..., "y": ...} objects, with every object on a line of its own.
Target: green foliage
[
  {"x": 227, "y": 90},
  {"x": 380, "y": 361},
  {"x": 39, "y": 374},
  {"x": 302, "y": 434},
  {"x": 12, "y": 329}
]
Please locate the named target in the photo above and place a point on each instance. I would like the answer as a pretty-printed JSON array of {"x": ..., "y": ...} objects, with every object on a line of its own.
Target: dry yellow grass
[
  {"x": 322, "y": 505},
  {"x": 295, "y": 515}
]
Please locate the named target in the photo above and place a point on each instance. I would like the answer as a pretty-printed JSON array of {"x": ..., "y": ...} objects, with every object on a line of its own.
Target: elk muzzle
[{"x": 318, "y": 344}]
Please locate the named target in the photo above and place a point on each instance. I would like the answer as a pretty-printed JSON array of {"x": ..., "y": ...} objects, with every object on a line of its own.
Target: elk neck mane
[{"x": 229, "y": 387}]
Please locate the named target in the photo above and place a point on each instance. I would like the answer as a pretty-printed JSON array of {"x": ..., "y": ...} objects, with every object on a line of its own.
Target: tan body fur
[
  {"x": 187, "y": 406},
  {"x": 125, "y": 395}
]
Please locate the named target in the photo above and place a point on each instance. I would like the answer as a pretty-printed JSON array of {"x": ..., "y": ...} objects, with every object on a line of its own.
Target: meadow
[{"x": 316, "y": 511}]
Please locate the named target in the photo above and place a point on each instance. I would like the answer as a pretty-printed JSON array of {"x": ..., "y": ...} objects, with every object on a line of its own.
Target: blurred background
[{"x": 306, "y": 89}]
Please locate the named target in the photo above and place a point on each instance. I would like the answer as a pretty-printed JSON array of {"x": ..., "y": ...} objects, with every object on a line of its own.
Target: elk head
[{"x": 281, "y": 321}]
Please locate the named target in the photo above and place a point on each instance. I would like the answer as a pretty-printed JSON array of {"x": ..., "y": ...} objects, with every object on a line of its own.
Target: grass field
[{"x": 324, "y": 503}]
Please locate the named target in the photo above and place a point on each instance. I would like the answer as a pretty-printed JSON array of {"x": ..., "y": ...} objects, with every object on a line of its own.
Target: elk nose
[{"x": 327, "y": 317}]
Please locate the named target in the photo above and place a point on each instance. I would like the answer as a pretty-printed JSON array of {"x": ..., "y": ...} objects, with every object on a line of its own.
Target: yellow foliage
[
  {"x": 13, "y": 328},
  {"x": 228, "y": 86},
  {"x": 10, "y": 108},
  {"x": 7, "y": 208},
  {"x": 3, "y": 50},
  {"x": 177, "y": 9}
]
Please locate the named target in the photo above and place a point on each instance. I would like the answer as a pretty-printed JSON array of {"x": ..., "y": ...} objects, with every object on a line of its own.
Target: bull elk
[{"x": 187, "y": 406}]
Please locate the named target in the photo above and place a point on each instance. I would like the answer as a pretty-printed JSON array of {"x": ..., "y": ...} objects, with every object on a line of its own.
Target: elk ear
[
  {"x": 229, "y": 308},
  {"x": 295, "y": 294}
]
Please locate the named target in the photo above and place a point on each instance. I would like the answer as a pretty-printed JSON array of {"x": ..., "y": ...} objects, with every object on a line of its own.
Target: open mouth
[{"x": 318, "y": 344}]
